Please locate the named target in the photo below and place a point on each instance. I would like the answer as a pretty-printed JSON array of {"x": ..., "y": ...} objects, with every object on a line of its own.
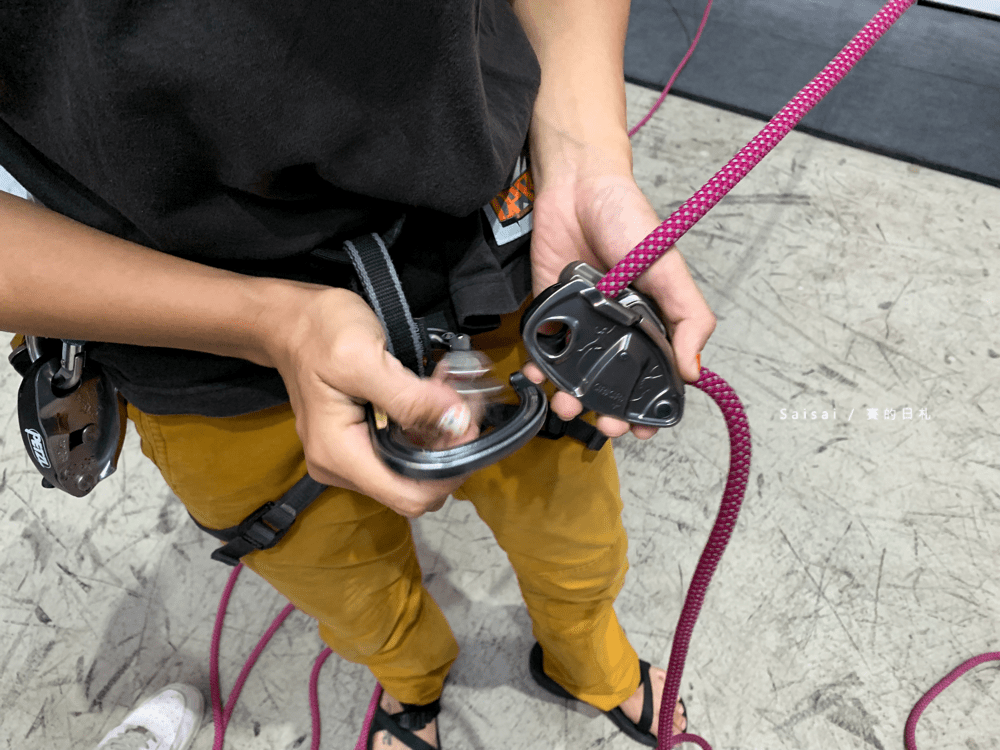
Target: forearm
[
  {"x": 580, "y": 114},
  {"x": 61, "y": 279}
]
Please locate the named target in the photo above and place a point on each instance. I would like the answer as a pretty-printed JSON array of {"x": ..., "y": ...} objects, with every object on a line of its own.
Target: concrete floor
[{"x": 862, "y": 570}]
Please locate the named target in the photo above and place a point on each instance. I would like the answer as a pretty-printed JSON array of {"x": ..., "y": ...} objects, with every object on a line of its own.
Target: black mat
[{"x": 928, "y": 92}]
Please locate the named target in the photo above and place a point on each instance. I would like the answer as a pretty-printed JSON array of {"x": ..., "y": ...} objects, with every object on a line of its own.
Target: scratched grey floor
[{"x": 864, "y": 566}]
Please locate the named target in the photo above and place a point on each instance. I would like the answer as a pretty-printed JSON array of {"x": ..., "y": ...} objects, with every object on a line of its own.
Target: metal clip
[
  {"x": 519, "y": 425},
  {"x": 613, "y": 355}
]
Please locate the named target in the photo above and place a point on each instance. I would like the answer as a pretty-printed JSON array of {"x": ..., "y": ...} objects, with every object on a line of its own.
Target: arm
[
  {"x": 65, "y": 280},
  {"x": 579, "y": 116},
  {"x": 588, "y": 206},
  {"x": 61, "y": 279}
]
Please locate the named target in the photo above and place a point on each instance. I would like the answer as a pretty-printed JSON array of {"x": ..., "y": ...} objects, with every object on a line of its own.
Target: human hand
[
  {"x": 329, "y": 348},
  {"x": 598, "y": 215}
]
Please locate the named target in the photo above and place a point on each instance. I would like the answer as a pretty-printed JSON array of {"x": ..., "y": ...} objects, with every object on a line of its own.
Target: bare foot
[
  {"x": 385, "y": 741},
  {"x": 632, "y": 706}
]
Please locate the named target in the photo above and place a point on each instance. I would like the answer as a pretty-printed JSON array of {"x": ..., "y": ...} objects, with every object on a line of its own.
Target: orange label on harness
[{"x": 515, "y": 202}]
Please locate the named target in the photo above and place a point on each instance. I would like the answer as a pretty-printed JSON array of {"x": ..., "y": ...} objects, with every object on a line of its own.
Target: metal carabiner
[{"x": 507, "y": 429}]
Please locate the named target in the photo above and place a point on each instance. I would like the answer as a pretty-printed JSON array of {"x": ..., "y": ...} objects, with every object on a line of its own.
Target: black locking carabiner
[{"x": 514, "y": 427}]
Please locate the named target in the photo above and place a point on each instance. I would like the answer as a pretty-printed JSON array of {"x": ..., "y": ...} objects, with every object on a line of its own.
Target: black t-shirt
[{"x": 245, "y": 133}]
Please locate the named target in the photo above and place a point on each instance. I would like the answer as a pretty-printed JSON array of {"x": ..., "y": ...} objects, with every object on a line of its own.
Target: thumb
[{"x": 425, "y": 406}]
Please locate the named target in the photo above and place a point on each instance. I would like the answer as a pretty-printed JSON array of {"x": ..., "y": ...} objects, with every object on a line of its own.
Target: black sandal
[
  {"x": 638, "y": 731},
  {"x": 400, "y": 725}
]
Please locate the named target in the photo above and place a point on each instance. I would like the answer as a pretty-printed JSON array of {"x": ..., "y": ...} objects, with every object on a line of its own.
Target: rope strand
[{"x": 680, "y": 221}]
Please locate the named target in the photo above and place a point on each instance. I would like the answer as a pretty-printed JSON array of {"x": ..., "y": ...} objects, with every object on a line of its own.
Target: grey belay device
[
  {"x": 613, "y": 355},
  {"x": 69, "y": 416}
]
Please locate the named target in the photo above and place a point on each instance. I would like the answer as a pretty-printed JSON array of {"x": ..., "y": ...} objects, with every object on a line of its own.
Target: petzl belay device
[
  {"x": 73, "y": 432},
  {"x": 613, "y": 355}
]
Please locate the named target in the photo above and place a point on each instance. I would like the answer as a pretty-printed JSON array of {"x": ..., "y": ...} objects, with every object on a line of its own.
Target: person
[
  {"x": 190, "y": 157},
  {"x": 167, "y": 720}
]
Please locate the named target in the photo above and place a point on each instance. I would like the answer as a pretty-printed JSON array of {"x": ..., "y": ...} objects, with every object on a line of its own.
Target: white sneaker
[{"x": 167, "y": 721}]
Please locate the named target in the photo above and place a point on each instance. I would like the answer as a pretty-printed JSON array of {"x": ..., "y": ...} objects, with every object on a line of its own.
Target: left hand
[{"x": 598, "y": 215}]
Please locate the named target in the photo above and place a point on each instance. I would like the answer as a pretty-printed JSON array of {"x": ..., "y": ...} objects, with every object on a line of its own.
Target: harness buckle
[{"x": 262, "y": 529}]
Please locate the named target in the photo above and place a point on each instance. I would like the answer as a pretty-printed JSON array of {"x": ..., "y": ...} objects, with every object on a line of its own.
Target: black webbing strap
[
  {"x": 384, "y": 293},
  {"x": 555, "y": 428},
  {"x": 267, "y": 525}
]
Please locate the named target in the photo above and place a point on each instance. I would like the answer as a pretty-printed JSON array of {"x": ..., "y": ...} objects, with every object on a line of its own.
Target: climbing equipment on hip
[{"x": 69, "y": 414}]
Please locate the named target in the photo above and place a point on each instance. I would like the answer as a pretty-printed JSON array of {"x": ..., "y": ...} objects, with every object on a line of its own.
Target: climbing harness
[{"x": 507, "y": 428}]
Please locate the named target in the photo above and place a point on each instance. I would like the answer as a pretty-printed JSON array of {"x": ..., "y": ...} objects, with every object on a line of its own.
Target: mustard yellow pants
[{"x": 349, "y": 561}]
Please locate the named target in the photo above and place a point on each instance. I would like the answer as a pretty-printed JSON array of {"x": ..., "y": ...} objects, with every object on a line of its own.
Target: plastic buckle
[
  {"x": 262, "y": 529},
  {"x": 221, "y": 555}
]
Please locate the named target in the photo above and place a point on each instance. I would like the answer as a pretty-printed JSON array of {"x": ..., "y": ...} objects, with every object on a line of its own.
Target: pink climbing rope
[
  {"x": 910, "y": 732},
  {"x": 680, "y": 221},
  {"x": 677, "y": 72},
  {"x": 221, "y": 716},
  {"x": 732, "y": 497},
  {"x": 656, "y": 244},
  {"x": 369, "y": 717},
  {"x": 314, "y": 696}
]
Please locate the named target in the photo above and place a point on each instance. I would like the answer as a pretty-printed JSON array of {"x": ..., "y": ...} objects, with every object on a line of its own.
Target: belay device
[
  {"x": 69, "y": 416},
  {"x": 613, "y": 355}
]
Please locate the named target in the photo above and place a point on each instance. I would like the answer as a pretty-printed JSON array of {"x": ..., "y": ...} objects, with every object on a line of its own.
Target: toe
[{"x": 680, "y": 719}]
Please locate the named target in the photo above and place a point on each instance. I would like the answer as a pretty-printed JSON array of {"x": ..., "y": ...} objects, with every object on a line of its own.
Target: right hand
[{"x": 330, "y": 350}]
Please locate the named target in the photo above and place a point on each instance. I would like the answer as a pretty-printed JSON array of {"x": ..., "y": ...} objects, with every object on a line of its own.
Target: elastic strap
[{"x": 267, "y": 525}]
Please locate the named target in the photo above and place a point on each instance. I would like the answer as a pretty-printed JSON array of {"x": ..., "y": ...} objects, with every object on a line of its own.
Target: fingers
[
  {"x": 689, "y": 338},
  {"x": 426, "y": 406},
  {"x": 643, "y": 432},
  {"x": 332, "y": 360},
  {"x": 683, "y": 308},
  {"x": 342, "y": 455}
]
